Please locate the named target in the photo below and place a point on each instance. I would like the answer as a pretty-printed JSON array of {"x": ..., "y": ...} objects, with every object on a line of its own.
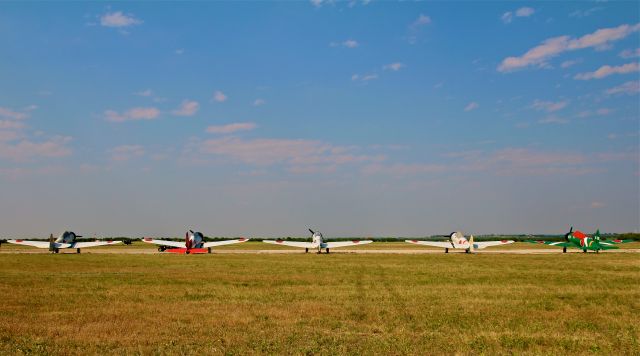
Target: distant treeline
[{"x": 523, "y": 237}]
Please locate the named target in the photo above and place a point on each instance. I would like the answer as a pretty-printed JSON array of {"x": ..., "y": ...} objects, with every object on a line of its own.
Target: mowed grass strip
[{"x": 319, "y": 304}]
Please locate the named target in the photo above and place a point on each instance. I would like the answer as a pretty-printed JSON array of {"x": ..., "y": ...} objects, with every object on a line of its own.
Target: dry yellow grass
[{"x": 319, "y": 304}]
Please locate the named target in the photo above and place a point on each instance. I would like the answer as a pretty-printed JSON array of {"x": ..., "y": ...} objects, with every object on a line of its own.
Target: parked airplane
[
  {"x": 580, "y": 240},
  {"x": 318, "y": 242},
  {"x": 194, "y": 243},
  {"x": 66, "y": 240},
  {"x": 458, "y": 241}
]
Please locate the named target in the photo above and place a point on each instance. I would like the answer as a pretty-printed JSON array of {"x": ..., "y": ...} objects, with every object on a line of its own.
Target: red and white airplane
[
  {"x": 458, "y": 241},
  {"x": 317, "y": 242},
  {"x": 66, "y": 240},
  {"x": 193, "y": 243}
]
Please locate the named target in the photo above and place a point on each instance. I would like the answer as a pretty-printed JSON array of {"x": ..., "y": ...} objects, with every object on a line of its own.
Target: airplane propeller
[
  {"x": 311, "y": 231},
  {"x": 566, "y": 236}
]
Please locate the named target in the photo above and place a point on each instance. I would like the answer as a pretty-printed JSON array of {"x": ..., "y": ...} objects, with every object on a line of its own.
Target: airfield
[{"x": 390, "y": 298}]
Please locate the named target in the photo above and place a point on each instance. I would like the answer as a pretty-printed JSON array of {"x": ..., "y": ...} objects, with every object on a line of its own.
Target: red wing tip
[
  {"x": 19, "y": 240},
  {"x": 356, "y": 241},
  {"x": 414, "y": 241},
  {"x": 243, "y": 239},
  {"x": 148, "y": 239},
  {"x": 617, "y": 240},
  {"x": 110, "y": 241},
  {"x": 279, "y": 241},
  {"x": 504, "y": 241},
  {"x": 540, "y": 241}
]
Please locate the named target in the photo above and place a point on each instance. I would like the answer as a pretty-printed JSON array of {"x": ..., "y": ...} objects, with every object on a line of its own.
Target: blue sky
[{"x": 355, "y": 118}]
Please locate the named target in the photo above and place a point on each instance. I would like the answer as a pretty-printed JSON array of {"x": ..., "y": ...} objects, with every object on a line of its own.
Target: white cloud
[
  {"x": 507, "y": 17},
  {"x": 629, "y": 88},
  {"x": 549, "y": 106},
  {"x": 140, "y": 113},
  {"x": 259, "y": 102},
  {"x": 584, "y": 13},
  {"x": 630, "y": 53},
  {"x": 607, "y": 70},
  {"x": 394, "y": 66},
  {"x": 126, "y": 152},
  {"x": 554, "y": 46},
  {"x": 231, "y": 128},
  {"x": 219, "y": 96},
  {"x": 118, "y": 19},
  {"x": 187, "y": 108},
  {"x": 525, "y": 12},
  {"x": 471, "y": 106}
]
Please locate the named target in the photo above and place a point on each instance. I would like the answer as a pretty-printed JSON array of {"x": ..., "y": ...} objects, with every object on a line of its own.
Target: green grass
[{"x": 319, "y": 304}]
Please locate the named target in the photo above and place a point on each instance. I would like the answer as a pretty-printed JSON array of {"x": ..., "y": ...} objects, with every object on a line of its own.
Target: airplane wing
[
  {"x": 552, "y": 243},
  {"x": 484, "y": 244},
  {"x": 225, "y": 242},
  {"x": 38, "y": 244},
  {"x": 164, "y": 242},
  {"x": 94, "y": 243},
  {"x": 614, "y": 242},
  {"x": 292, "y": 243},
  {"x": 441, "y": 244},
  {"x": 347, "y": 243}
]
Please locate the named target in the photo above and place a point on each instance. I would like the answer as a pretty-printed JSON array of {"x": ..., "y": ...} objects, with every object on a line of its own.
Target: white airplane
[
  {"x": 193, "y": 243},
  {"x": 458, "y": 241},
  {"x": 317, "y": 242},
  {"x": 66, "y": 240}
]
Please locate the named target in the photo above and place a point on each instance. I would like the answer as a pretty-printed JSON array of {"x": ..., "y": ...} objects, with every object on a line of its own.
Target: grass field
[{"x": 319, "y": 304}]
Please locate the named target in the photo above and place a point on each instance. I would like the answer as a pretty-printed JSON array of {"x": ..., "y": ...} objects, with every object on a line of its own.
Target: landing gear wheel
[
  {"x": 306, "y": 250},
  {"x": 56, "y": 250},
  {"x": 327, "y": 250},
  {"x": 208, "y": 249},
  {"x": 77, "y": 250},
  {"x": 467, "y": 251},
  {"x": 160, "y": 249},
  {"x": 187, "y": 252},
  {"x": 446, "y": 250},
  {"x": 564, "y": 250},
  {"x": 584, "y": 251}
]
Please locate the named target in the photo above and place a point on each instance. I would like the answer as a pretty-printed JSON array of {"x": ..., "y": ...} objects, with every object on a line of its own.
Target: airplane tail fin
[
  {"x": 471, "y": 247},
  {"x": 596, "y": 236}
]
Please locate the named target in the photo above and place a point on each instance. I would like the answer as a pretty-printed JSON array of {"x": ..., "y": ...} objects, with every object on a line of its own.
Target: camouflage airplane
[{"x": 578, "y": 239}]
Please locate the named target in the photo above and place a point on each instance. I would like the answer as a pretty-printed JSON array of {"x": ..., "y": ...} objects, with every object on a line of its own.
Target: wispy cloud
[
  {"x": 350, "y": 43},
  {"x": 27, "y": 150},
  {"x": 508, "y": 16},
  {"x": 145, "y": 93},
  {"x": 607, "y": 70},
  {"x": 549, "y": 106},
  {"x": 118, "y": 19},
  {"x": 126, "y": 152},
  {"x": 585, "y": 13},
  {"x": 259, "y": 102},
  {"x": 12, "y": 114},
  {"x": 231, "y": 128},
  {"x": 552, "y": 119},
  {"x": 471, "y": 106},
  {"x": 630, "y": 53},
  {"x": 629, "y": 88},
  {"x": 219, "y": 96},
  {"x": 570, "y": 63},
  {"x": 140, "y": 113},
  {"x": 187, "y": 108},
  {"x": 364, "y": 77},
  {"x": 422, "y": 20},
  {"x": 556, "y": 45},
  {"x": 396, "y": 66}
]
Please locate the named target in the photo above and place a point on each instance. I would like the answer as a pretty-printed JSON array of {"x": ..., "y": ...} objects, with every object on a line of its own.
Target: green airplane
[{"x": 578, "y": 239}]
